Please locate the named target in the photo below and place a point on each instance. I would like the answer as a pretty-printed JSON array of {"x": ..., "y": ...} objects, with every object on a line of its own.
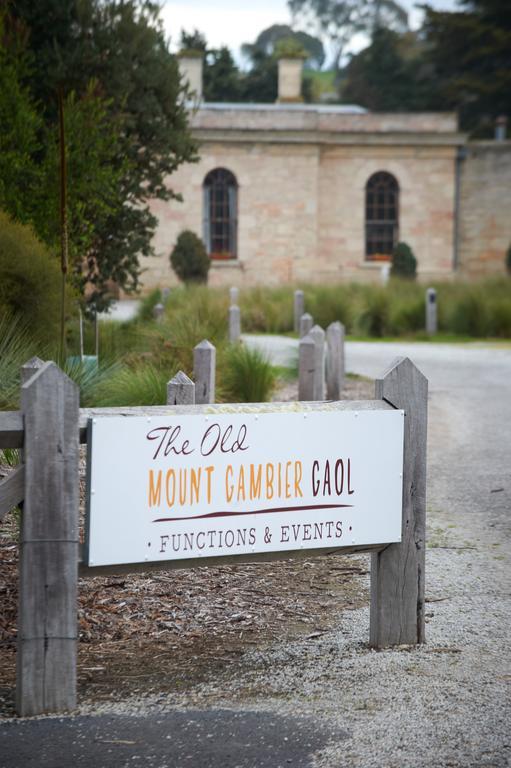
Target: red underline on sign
[{"x": 268, "y": 510}]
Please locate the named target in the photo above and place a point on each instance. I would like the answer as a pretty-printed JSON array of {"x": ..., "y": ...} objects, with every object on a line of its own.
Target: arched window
[
  {"x": 382, "y": 215},
  {"x": 221, "y": 214}
]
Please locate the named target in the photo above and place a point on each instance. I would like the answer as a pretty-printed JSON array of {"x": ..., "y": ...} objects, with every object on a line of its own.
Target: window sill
[
  {"x": 375, "y": 264},
  {"x": 226, "y": 264}
]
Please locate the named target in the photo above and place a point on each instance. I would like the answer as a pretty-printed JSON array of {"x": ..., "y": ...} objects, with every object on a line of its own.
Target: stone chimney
[
  {"x": 190, "y": 69},
  {"x": 501, "y": 128},
  {"x": 290, "y": 80}
]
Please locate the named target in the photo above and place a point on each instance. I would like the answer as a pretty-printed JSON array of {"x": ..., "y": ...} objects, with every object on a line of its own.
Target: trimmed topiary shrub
[
  {"x": 189, "y": 259},
  {"x": 404, "y": 263}
]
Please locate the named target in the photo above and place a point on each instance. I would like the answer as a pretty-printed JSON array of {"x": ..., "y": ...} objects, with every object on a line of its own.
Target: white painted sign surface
[{"x": 192, "y": 486}]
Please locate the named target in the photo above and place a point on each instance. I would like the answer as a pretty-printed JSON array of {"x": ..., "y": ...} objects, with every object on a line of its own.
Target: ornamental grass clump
[{"x": 247, "y": 375}]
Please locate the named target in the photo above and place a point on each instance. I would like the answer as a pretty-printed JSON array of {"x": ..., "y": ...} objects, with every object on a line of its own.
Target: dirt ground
[{"x": 150, "y": 633}]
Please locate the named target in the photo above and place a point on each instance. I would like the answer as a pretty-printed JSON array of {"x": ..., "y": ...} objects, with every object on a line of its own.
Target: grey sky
[{"x": 233, "y": 22}]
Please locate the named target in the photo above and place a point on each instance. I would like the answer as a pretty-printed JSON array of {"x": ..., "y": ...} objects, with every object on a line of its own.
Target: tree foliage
[
  {"x": 136, "y": 109},
  {"x": 267, "y": 40},
  {"x": 470, "y": 56},
  {"x": 338, "y": 21},
  {"x": 189, "y": 258}
]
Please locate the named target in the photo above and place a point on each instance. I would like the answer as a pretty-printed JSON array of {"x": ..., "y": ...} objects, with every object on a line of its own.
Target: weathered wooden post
[
  {"x": 165, "y": 294},
  {"x": 431, "y": 312},
  {"x": 385, "y": 274},
  {"x": 30, "y": 367},
  {"x": 306, "y": 368},
  {"x": 299, "y": 306},
  {"x": 47, "y": 634},
  {"x": 318, "y": 336},
  {"x": 233, "y": 296},
  {"x": 204, "y": 365},
  {"x": 180, "y": 390},
  {"x": 334, "y": 360},
  {"x": 306, "y": 323},
  {"x": 158, "y": 311},
  {"x": 397, "y": 572},
  {"x": 234, "y": 324}
]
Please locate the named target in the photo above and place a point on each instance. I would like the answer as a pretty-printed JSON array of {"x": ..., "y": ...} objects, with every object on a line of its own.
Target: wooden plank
[
  {"x": 204, "y": 369},
  {"x": 12, "y": 490},
  {"x": 11, "y": 429},
  {"x": 234, "y": 324},
  {"x": 306, "y": 368},
  {"x": 298, "y": 309},
  {"x": 47, "y": 634},
  {"x": 397, "y": 573},
  {"x": 334, "y": 360},
  {"x": 180, "y": 390},
  {"x": 163, "y": 410},
  {"x": 201, "y": 562},
  {"x": 318, "y": 334},
  {"x": 306, "y": 323}
]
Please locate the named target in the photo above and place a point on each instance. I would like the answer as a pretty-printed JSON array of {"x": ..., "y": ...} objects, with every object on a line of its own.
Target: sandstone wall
[{"x": 485, "y": 208}]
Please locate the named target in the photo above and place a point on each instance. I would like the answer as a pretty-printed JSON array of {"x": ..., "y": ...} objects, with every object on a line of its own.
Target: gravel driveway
[
  {"x": 447, "y": 703},
  {"x": 338, "y": 703}
]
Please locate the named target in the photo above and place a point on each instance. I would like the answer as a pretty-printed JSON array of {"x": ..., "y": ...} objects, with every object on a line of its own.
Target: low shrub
[
  {"x": 404, "y": 263},
  {"x": 508, "y": 260},
  {"x": 189, "y": 258},
  {"x": 30, "y": 280}
]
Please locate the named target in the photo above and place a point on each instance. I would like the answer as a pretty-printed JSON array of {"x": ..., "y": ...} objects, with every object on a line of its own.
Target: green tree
[
  {"x": 470, "y": 55},
  {"x": 267, "y": 40},
  {"x": 19, "y": 128},
  {"x": 338, "y": 21},
  {"x": 119, "y": 45},
  {"x": 390, "y": 75}
]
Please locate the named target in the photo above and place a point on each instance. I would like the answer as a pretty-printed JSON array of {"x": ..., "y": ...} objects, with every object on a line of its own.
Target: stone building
[{"x": 295, "y": 193}]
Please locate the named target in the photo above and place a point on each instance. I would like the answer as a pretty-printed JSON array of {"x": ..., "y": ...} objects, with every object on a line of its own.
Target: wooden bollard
[
  {"x": 233, "y": 296},
  {"x": 431, "y": 312},
  {"x": 180, "y": 390},
  {"x": 234, "y": 324},
  {"x": 306, "y": 368},
  {"x": 204, "y": 365},
  {"x": 334, "y": 360},
  {"x": 397, "y": 572},
  {"x": 299, "y": 306},
  {"x": 306, "y": 323},
  {"x": 47, "y": 628},
  {"x": 318, "y": 335},
  {"x": 158, "y": 311}
]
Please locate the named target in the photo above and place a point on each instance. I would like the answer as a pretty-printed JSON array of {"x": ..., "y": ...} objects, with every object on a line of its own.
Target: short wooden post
[
  {"x": 431, "y": 312},
  {"x": 165, "y": 294},
  {"x": 30, "y": 367},
  {"x": 318, "y": 335},
  {"x": 233, "y": 296},
  {"x": 47, "y": 633},
  {"x": 234, "y": 324},
  {"x": 306, "y": 367},
  {"x": 180, "y": 390},
  {"x": 299, "y": 306},
  {"x": 204, "y": 364},
  {"x": 306, "y": 323},
  {"x": 334, "y": 360},
  {"x": 158, "y": 311},
  {"x": 397, "y": 573}
]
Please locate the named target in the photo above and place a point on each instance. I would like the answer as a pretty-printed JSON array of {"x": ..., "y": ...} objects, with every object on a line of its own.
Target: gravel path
[{"x": 447, "y": 703}]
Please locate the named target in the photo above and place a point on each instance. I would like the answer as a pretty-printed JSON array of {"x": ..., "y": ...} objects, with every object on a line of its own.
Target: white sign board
[{"x": 195, "y": 485}]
